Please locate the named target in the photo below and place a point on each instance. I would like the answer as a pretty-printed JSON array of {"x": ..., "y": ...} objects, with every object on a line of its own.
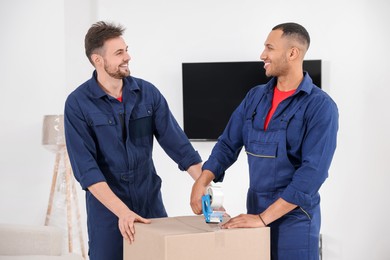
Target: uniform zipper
[{"x": 123, "y": 124}]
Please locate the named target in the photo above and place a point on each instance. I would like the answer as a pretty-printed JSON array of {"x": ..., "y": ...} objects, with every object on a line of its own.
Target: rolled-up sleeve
[
  {"x": 170, "y": 135},
  {"x": 80, "y": 145},
  {"x": 229, "y": 145},
  {"x": 318, "y": 148}
]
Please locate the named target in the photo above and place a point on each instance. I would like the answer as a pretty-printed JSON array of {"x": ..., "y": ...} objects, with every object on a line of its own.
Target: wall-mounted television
[{"x": 212, "y": 90}]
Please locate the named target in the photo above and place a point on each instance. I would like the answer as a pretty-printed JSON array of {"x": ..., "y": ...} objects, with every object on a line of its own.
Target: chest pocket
[
  {"x": 103, "y": 125},
  {"x": 141, "y": 122},
  {"x": 262, "y": 165},
  {"x": 98, "y": 120}
]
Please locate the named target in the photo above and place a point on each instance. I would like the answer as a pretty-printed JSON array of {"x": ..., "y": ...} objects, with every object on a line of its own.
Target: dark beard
[
  {"x": 279, "y": 71},
  {"x": 117, "y": 74}
]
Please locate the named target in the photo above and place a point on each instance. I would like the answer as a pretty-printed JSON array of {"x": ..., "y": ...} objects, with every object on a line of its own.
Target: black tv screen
[{"x": 212, "y": 91}]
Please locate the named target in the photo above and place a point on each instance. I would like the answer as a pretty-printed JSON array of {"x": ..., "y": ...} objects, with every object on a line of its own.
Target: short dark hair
[
  {"x": 295, "y": 30},
  {"x": 98, "y": 34}
]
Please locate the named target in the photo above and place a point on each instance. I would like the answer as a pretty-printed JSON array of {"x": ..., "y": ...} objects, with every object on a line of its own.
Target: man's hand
[
  {"x": 276, "y": 210},
  {"x": 244, "y": 221},
  {"x": 104, "y": 194},
  {"x": 199, "y": 189},
  {"x": 126, "y": 224}
]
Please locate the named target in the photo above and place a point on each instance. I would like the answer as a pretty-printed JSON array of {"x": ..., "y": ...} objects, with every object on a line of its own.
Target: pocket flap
[
  {"x": 141, "y": 111},
  {"x": 101, "y": 119},
  {"x": 268, "y": 150}
]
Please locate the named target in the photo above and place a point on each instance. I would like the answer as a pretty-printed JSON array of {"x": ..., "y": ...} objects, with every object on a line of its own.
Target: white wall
[
  {"x": 42, "y": 60},
  {"x": 32, "y": 84}
]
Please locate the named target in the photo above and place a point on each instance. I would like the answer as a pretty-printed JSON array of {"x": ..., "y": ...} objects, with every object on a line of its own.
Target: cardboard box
[{"x": 190, "y": 238}]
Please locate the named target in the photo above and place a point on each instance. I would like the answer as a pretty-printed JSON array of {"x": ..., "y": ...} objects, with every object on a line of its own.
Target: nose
[
  {"x": 263, "y": 55},
  {"x": 127, "y": 57}
]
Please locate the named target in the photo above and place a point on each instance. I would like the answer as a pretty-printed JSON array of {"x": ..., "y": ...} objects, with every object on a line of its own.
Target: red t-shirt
[
  {"x": 120, "y": 99},
  {"x": 278, "y": 97}
]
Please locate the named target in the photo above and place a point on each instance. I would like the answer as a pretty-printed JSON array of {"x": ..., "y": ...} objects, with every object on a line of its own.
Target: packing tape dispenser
[{"x": 212, "y": 203}]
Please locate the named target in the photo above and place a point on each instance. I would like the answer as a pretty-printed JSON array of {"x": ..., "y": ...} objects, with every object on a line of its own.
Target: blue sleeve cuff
[
  {"x": 186, "y": 162},
  {"x": 89, "y": 178},
  {"x": 294, "y": 196},
  {"x": 215, "y": 168}
]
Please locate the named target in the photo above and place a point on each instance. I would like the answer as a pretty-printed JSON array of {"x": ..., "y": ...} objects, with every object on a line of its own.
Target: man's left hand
[{"x": 244, "y": 221}]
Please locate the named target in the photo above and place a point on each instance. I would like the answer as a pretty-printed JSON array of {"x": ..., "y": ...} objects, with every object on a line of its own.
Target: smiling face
[
  {"x": 113, "y": 59},
  {"x": 275, "y": 54}
]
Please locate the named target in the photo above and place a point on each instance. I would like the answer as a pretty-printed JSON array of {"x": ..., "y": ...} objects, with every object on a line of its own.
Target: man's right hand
[
  {"x": 126, "y": 224},
  {"x": 104, "y": 194},
  {"x": 199, "y": 189}
]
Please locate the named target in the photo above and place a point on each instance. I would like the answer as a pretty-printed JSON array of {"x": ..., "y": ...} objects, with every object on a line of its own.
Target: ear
[
  {"x": 96, "y": 59},
  {"x": 294, "y": 53}
]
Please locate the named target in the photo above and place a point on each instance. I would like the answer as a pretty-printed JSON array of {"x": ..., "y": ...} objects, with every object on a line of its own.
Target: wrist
[
  {"x": 262, "y": 220},
  {"x": 206, "y": 178},
  {"x": 195, "y": 171}
]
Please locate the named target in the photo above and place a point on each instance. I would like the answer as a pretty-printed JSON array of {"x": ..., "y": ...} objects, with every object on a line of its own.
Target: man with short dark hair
[
  {"x": 289, "y": 130},
  {"x": 110, "y": 123}
]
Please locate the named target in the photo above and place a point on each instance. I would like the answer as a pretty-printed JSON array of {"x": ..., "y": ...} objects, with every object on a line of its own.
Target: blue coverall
[
  {"x": 111, "y": 141},
  {"x": 289, "y": 160}
]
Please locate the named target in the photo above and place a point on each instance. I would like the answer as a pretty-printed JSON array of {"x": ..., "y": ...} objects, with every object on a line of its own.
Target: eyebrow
[{"x": 120, "y": 50}]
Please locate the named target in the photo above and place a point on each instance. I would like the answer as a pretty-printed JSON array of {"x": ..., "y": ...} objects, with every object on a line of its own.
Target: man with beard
[
  {"x": 288, "y": 128},
  {"x": 110, "y": 123}
]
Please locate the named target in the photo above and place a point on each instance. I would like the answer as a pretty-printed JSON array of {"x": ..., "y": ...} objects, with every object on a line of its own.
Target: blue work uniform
[
  {"x": 112, "y": 141},
  {"x": 288, "y": 160}
]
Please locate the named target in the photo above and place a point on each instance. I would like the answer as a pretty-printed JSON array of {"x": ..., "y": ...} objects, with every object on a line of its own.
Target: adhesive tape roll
[{"x": 216, "y": 195}]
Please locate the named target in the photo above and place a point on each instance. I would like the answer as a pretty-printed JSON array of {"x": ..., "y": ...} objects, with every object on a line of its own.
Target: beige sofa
[{"x": 19, "y": 242}]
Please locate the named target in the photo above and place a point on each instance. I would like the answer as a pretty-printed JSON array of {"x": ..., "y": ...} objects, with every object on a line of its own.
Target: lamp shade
[{"x": 53, "y": 137}]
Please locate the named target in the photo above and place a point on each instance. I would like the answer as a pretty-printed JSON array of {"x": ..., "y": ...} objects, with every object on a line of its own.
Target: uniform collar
[
  {"x": 129, "y": 84},
  {"x": 305, "y": 86}
]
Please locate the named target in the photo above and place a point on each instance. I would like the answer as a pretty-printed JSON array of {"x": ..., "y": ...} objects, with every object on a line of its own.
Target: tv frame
[{"x": 197, "y": 75}]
